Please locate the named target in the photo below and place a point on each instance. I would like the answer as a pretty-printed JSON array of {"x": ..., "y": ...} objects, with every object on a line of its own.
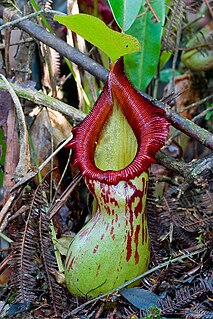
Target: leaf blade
[
  {"x": 113, "y": 43},
  {"x": 140, "y": 298},
  {"x": 125, "y": 12},
  {"x": 141, "y": 66}
]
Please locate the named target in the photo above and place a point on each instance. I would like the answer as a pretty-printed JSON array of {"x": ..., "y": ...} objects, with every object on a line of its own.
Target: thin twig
[
  {"x": 153, "y": 11},
  {"x": 209, "y": 7},
  {"x": 13, "y": 23},
  {"x": 5, "y": 210},
  {"x": 142, "y": 14},
  {"x": 202, "y": 114},
  {"x": 195, "y": 104},
  {"x": 127, "y": 283},
  {"x": 62, "y": 177},
  {"x": 45, "y": 100},
  {"x": 50, "y": 129},
  {"x": 29, "y": 16},
  {"x": 175, "y": 56},
  {"x": 28, "y": 40}
]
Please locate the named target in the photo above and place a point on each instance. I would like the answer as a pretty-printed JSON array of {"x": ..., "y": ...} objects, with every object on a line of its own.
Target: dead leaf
[
  {"x": 189, "y": 94},
  {"x": 49, "y": 124}
]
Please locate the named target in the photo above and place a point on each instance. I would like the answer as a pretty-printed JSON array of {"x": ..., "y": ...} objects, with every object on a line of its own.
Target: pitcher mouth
[{"x": 146, "y": 120}]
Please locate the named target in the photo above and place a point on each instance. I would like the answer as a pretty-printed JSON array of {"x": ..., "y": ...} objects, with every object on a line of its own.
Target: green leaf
[
  {"x": 37, "y": 8},
  {"x": 63, "y": 243},
  {"x": 140, "y": 298},
  {"x": 209, "y": 114},
  {"x": 113, "y": 43},
  {"x": 164, "y": 58},
  {"x": 125, "y": 12},
  {"x": 141, "y": 66},
  {"x": 166, "y": 75}
]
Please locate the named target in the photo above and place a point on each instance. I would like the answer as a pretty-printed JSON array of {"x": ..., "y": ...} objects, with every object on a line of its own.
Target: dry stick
[
  {"x": 182, "y": 124},
  {"x": 153, "y": 11},
  {"x": 209, "y": 8},
  {"x": 62, "y": 178},
  {"x": 127, "y": 283},
  {"x": 4, "y": 211},
  {"x": 12, "y": 23},
  {"x": 191, "y": 129},
  {"x": 28, "y": 40},
  {"x": 45, "y": 100},
  {"x": 202, "y": 114},
  {"x": 175, "y": 56},
  {"x": 24, "y": 153},
  {"x": 195, "y": 104}
]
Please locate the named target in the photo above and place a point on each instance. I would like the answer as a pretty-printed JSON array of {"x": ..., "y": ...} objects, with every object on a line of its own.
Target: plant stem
[
  {"x": 6, "y": 238},
  {"x": 57, "y": 253}
]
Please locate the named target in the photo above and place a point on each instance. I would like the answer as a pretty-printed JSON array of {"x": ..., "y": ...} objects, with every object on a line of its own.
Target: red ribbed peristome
[{"x": 146, "y": 120}]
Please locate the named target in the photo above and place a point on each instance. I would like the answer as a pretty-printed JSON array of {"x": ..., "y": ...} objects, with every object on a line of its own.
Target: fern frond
[
  {"x": 25, "y": 252},
  {"x": 173, "y": 23},
  {"x": 25, "y": 249},
  {"x": 184, "y": 296}
]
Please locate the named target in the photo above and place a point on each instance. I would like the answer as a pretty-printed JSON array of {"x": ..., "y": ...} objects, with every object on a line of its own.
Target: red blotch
[
  {"x": 129, "y": 247},
  {"x": 113, "y": 236},
  {"x": 70, "y": 265},
  {"x": 112, "y": 230},
  {"x": 84, "y": 233},
  {"x": 68, "y": 260},
  {"x": 116, "y": 218},
  {"x": 137, "y": 231},
  {"x": 108, "y": 198},
  {"x": 95, "y": 249},
  {"x": 113, "y": 200},
  {"x": 98, "y": 270},
  {"x": 137, "y": 193},
  {"x": 108, "y": 210},
  {"x": 143, "y": 218},
  {"x": 102, "y": 237}
]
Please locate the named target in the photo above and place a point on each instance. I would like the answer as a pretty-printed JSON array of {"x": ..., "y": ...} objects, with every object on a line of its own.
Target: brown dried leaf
[
  {"x": 49, "y": 127},
  {"x": 189, "y": 94}
]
